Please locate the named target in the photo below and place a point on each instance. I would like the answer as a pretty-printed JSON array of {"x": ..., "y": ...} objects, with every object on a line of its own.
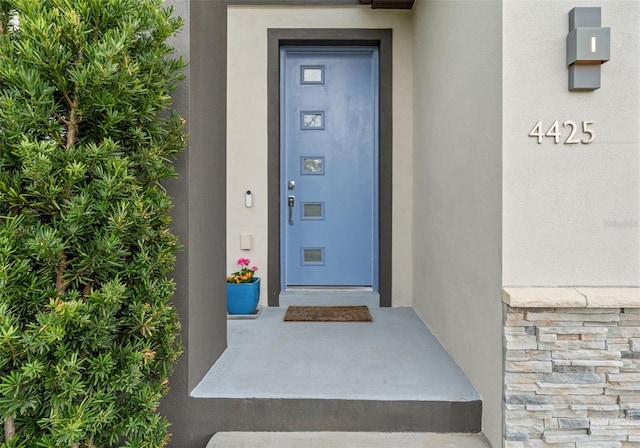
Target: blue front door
[{"x": 329, "y": 172}]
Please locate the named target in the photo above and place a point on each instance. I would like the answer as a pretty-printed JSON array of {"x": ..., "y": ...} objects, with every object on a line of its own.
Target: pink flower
[{"x": 244, "y": 275}]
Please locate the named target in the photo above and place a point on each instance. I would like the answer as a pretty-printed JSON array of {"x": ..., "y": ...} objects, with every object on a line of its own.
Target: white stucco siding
[
  {"x": 247, "y": 124},
  {"x": 457, "y": 188},
  {"x": 571, "y": 212}
]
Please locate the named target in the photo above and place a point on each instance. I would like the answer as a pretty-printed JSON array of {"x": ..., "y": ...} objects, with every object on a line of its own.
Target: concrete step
[
  {"x": 345, "y": 440},
  {"x": 290, "y": 415},
  {"x": 389, "y": 375}
]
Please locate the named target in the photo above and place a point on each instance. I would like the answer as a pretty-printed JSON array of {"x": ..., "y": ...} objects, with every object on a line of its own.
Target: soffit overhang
[
  {"x": 389, "y": 4},
  {"x": 375, "y": 4}
]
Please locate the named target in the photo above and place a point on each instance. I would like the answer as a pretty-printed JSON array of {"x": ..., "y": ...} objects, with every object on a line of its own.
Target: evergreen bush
[{"x": 88, "y": 333}]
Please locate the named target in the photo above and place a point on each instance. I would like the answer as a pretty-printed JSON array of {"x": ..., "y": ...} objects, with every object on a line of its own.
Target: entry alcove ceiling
[
  {"x": 389, "y": 4},
  {"x": 375, "y": 4}
]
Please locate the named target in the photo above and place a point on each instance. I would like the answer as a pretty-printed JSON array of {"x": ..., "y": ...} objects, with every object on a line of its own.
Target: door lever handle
[{"x": 291, "y": 201}]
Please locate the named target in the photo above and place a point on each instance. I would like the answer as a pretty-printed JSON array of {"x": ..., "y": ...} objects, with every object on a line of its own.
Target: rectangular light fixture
[{"x": 588, "y": 47}]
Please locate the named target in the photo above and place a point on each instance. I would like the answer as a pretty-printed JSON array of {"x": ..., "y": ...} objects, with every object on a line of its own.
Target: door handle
[{"x": 291, "y": 201}]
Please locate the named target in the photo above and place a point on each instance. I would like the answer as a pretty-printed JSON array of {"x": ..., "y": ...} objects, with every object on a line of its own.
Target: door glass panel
[
  {"x": 311, "y": 120},
  {"x": 313, "y": 210},
  {"x": 312, "y": 74},
  {"x": 312, "y": 165},
  {"x": 313, "y": 255}
]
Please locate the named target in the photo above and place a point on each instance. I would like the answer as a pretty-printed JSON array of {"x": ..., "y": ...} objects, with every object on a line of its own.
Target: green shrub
[{"x": 88, "y": 334}]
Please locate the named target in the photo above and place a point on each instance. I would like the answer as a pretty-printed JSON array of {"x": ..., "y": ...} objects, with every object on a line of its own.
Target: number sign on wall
[{"x": 569, "y": 127}]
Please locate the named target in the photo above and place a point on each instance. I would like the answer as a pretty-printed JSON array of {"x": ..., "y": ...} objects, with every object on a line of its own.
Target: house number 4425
[{"x": 587, "y": 134}]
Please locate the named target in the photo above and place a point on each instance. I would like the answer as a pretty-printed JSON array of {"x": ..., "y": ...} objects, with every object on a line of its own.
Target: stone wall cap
[
  {"x": 611, "y": 297},
  {"x": 571, "y": 297},
  {"x": 543, "y": 298}
]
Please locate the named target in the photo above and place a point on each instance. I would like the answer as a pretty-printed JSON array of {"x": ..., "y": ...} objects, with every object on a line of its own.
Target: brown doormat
[{"x": 328, "y": 314}]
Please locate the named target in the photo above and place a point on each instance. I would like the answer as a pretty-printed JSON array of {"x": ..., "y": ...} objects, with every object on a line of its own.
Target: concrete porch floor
[
  {"x": 395, "y": 357},
  {"x": 387, "y": 376}
]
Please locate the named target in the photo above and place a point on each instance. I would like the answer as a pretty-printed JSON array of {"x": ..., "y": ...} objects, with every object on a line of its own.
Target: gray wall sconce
[{"x": 588, "y": 47}]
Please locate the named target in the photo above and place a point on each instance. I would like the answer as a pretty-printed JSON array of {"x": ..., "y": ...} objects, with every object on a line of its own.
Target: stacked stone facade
[{"x": 571, "y": 377}]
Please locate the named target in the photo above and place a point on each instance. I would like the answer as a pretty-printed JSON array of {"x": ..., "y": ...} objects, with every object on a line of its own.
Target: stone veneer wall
[{"x": 571, "y": 371}]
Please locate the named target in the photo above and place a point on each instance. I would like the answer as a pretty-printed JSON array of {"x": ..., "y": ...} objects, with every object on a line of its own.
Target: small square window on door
[
  {"x": 312, "y": 256},
  {"x": 312, "y": 120},
  {"x": 312, "y": 165},
  {"x": 312, "y": 211},
  {"x": 312, "y": 74}
]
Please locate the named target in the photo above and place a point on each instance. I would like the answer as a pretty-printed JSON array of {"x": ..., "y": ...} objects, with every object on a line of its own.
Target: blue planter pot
[{"x": 242, "y": 298}]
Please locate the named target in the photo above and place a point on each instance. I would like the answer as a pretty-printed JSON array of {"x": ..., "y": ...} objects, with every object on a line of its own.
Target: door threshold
[
  {"x": 329, "y": 297},
  {"x": 329, "y": 288}
]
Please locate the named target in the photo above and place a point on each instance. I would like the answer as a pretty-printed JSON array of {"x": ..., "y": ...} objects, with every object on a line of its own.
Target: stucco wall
[
  {"x": 199, "y": 195},
  {"x": 247, "y": 124},
  {"x": 457, "y": 188},
  {"x": 571, "y": 212}
]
